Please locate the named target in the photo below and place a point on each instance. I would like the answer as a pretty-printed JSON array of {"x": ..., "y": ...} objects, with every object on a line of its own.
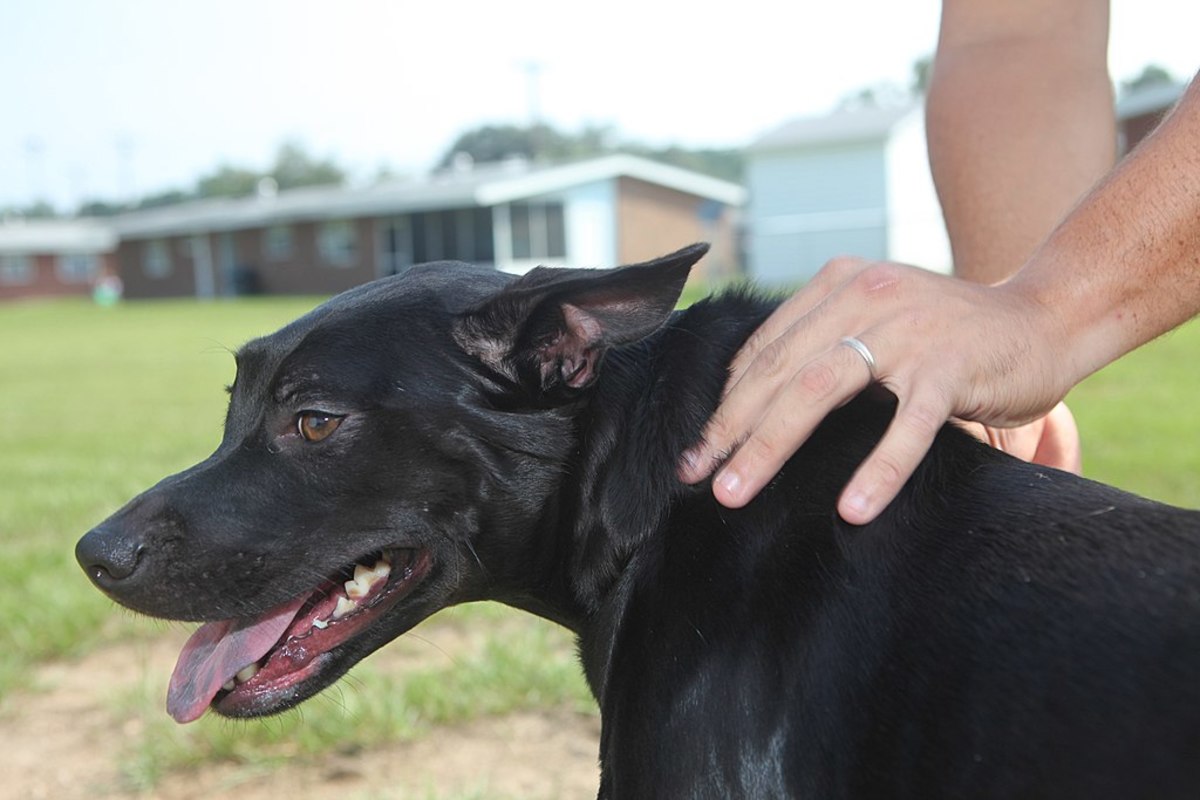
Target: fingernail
[
  {"x": 855, "y": 503},
  {"x": 731, "y": 482}
]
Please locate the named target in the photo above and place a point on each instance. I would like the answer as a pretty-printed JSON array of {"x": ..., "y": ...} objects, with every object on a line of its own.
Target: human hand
[
  {"x": 1052, "y": 440},
  {"x": 944, "y": 347}
]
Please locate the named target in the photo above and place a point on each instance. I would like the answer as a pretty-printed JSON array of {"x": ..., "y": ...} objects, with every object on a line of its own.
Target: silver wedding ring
[{"x": 857, "y": 346}]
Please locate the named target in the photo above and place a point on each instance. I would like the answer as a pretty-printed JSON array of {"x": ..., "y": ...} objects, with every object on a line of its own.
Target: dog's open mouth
[{"x": 250, "y": 666}]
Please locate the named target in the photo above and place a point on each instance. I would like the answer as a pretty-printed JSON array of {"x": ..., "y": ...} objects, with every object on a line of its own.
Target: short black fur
[{"x": 1001, "y": 631}]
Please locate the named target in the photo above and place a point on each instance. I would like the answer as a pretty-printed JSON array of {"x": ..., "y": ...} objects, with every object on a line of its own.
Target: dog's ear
[{"x": 551, "y": 327}]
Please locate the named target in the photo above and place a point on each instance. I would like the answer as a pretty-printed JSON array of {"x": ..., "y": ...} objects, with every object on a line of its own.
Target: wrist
[{"x": 1065, "y": 344}]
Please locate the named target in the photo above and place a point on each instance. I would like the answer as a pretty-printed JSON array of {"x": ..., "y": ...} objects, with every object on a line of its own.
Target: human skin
[
  {"x": 1120, "y": 269},
  {"x": 1020, "y": 124}
]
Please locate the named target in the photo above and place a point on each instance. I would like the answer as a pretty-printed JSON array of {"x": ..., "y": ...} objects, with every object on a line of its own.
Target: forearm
[
  {"x": 1124, "y": 266},
  {"x": 1019, "y": 122}
]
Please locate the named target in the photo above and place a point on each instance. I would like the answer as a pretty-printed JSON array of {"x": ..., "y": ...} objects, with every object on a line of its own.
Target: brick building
[
  {"x": 511, "y": 216},
  {"x": 48, "y": 258}
]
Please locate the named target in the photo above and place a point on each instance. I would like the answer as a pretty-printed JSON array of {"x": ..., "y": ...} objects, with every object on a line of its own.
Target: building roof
[
  {"x": 478, "y": 186},
  {"x": 840, "y": 127},
  {"x": 39, "y": 236}
]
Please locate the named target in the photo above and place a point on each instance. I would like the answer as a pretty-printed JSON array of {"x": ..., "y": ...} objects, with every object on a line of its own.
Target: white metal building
[{"x": 855, "y": 182}]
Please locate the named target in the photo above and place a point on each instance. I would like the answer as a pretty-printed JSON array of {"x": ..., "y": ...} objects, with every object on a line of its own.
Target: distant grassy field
[{"x": 101, "y": 403}]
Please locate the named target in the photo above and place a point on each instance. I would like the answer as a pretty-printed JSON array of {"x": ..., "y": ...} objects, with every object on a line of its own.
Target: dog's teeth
[
  {"x": 229, "y": 685},
  {"x": 344, "y": 607},
  {"x": 246, "y": 673},
  {"x": 320, "y": 623},
  {"x": 365, "y": 578}
]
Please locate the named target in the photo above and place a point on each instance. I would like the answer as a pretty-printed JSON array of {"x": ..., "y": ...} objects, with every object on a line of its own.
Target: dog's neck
[
  {"x": 603, "y": 530},
  {"x": 651, "y": 403}
]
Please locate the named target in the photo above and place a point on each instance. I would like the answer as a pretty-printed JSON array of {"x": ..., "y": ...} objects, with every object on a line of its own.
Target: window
[
  {"x": 277, "y": 242},
  {"x": 16, "y": 270},
  {"x": 435, "y": 245},
  {"x": 522, "y": 244},
  {"x": 156, "y": 259},
  {"x": 396, "y": 248},
  {"x": 77, "y": 267},
  {"x": 538, "y": 230},
  {"x": 556, "y": 231},
  {"x": 338, "y": 242},
  {"x": 463, "y": 234},
  {"x": 485, "y": 245}
]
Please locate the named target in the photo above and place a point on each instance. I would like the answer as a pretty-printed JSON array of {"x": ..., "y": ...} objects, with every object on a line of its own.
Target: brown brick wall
[
  {"x": 653, "y": 220},
  {"x": 46, "y": 281},
  {"x": 179, "y": 282},
  {"x": 303, "y": 272}
]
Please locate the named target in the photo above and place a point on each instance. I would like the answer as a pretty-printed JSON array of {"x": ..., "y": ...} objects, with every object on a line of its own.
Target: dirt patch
[
  {"x": 546, "y": 755},
  {"x": 65, "y": 740}
]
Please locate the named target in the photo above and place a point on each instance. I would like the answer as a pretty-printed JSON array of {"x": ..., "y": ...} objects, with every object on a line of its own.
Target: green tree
[
  {"x": 99, "y": 208},
  {"x": 228, "y": 181},
  {"x": 922, "y": 71},
  {"x": 724, "y": 163},
  {"x": 294, "y": 167},
  {"x": 38, "y": 210},
  {"x": 1151, "y": 75},
  {"x": 489, "y": 143}
]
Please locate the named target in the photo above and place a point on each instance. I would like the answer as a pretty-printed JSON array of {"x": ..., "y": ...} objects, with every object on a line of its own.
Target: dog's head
[{"x": 385, "y": 456}]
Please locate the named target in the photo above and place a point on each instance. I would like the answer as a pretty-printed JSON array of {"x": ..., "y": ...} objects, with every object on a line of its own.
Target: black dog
[{"x": 1002, "y": 630}]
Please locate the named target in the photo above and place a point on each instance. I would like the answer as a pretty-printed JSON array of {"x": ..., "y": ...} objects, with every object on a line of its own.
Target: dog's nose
[{"x": 107, "y": 556}]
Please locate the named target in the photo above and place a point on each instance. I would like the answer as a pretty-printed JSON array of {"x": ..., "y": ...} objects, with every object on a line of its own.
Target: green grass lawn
[
  {"x": 101, "y": 403},
  {"x": 1140, "y": 423}
]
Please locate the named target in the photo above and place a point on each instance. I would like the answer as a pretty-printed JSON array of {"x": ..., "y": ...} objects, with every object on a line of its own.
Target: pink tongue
[{"x": 215, "y": 653}]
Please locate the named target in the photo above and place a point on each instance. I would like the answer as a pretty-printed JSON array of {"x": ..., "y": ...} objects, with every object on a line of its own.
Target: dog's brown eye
[{"x": 315, "y": 426}]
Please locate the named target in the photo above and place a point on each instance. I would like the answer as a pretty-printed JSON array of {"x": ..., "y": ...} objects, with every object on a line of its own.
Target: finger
[
  {"x": 817, "y": 388},
  {"x": 1059, "y": 446},
  {"x": 773, "y": 356},
  {"x": 728, "y": 426},
  {"x": 884, "y": 472},
  {"x": 749, "y": 394},
  {"x": 743, "y": 406},
  {"x": 699, "y": 461},
  {"x": 979, "y": 431},
  {"x": 795, "y": 308}
]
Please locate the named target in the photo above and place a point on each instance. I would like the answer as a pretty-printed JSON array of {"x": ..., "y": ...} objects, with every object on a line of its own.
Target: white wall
[
  {"x": 916, "y": 232},
  {"x": 590, "y": 222},
  {"x": 590, "y": 216}
]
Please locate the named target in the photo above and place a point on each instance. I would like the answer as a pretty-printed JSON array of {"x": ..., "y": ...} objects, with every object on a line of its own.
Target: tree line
[{"x": 294, "y": 167}]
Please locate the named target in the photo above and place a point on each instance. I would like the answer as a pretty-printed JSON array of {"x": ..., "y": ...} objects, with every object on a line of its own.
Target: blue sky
[{"x": 107, "y": 97}]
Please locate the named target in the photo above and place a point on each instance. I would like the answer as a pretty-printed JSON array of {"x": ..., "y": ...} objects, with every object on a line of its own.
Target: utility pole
[
  {"x": 533, "y": 89},
  {"x": 533, "y": 97},
  {"x": 35, "y": 150}
]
